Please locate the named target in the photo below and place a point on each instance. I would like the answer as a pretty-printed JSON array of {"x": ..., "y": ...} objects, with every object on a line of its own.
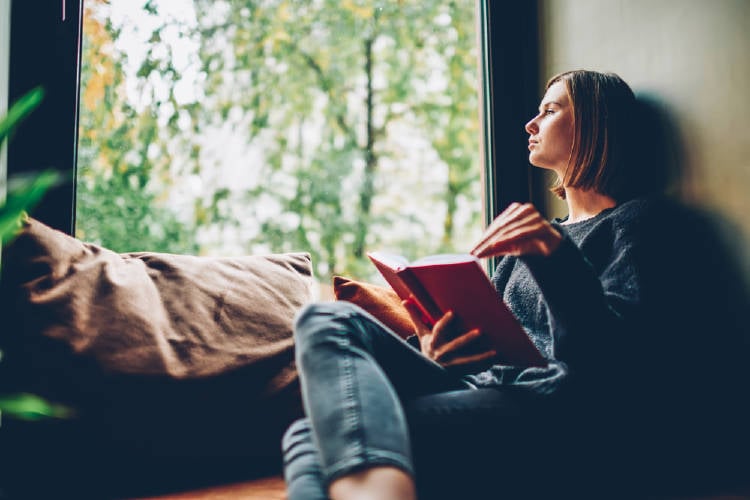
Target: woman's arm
[
  {"x": 588, "y": 309},
  {"x": 590, "y": 313}
]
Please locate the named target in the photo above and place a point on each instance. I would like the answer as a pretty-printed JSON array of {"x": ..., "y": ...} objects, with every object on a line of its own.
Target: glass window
[{"x": 237, "y": 127}]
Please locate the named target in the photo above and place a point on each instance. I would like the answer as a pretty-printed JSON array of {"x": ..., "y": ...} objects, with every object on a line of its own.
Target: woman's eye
[{"x": 549, "y": 111}]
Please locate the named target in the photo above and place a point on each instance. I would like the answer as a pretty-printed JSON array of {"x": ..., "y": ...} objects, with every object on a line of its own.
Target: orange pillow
[{"x": 380, "y": 301}]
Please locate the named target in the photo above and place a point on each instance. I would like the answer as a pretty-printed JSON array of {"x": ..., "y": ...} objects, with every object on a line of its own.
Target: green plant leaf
[
  {"x": 23, "y": 193},
  {"x": 29, "y": 407},
  {"x": 20, "y": 110},
  {"x": 22, "y": 196}
]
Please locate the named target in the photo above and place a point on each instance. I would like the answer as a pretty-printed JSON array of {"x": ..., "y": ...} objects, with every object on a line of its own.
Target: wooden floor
[
  {"x": 273, "y": 488},
  {"x": 269, "y": 488}
]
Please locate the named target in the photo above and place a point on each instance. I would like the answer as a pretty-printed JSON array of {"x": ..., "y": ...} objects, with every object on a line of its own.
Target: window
[
  {"x": 45, "y": 50},
  {"x": 242, "y": 127}
]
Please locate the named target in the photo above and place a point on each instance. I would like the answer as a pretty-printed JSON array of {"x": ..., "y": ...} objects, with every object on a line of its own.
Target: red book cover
[{"x": 458, "y": 283}]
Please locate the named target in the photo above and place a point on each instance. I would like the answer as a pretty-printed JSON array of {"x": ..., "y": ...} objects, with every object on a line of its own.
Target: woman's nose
[{"x": 532, "y": 127}]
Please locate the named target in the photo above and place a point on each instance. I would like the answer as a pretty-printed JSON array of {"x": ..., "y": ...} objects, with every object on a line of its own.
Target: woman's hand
[
  {"x": 464, "y": 352},
  {"x": 519, "y": 230}
]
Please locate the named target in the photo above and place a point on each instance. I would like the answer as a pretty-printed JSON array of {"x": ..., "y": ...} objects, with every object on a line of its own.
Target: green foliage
[
  {"x": 30, "y": 407},
  {"x": 123, "y": 161},
  {"x": 22, "y": 108},
  {"x": 22, "y": 195},
  {"x": 361, "y": 116},
  {"x": 25, "y": 192}
]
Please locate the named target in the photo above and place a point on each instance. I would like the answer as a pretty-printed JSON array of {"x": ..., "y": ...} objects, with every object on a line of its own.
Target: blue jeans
[{"x": 355, "y": 376}]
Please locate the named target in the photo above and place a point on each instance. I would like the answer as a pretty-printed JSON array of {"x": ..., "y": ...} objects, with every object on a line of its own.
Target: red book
[{"x": 458, "y": 283}]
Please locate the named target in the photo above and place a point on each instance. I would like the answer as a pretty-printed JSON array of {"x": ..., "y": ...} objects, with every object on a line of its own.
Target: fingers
[
  {"x": 458, "y": 353},
  {"x": 439, "y": 335},
  {"x": 523, "y": 237},
  {"x": 519, "y": 230},
  {"x": 473, "y": 359},
  {"x": 416, "y": 317},
  {"x": 456, "y": 344},
  {"x": 465, "y": 350},
  {"x": 496, "y": 225},
  {"x": 511, "y": 217}
]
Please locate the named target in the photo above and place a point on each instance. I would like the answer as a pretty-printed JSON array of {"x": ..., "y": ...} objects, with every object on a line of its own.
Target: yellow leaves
[
  {"x": 101, "y": 76},
  {"x": 360, "y": 11},
  {"x": 98, "y": 57},
  {"x": 284, "y": 13},
  {"x": 276, "y": 37},
  {"x": 103, "y": 164}
]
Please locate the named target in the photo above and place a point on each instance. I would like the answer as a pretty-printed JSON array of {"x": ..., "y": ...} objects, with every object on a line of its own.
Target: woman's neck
[{"x": 584, "y": 204}]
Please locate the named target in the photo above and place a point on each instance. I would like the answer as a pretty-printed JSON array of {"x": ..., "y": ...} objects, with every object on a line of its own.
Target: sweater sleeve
[{"x": 589, "y": 312}]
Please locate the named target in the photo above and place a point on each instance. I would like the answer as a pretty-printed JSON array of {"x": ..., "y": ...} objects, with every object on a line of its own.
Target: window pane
[{"x": 227, "y": 128}]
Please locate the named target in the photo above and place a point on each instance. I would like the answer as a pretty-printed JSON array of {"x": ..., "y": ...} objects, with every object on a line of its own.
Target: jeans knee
[
  {"x": 320, "y": 316},
  {"x": 325, "y": 326}
]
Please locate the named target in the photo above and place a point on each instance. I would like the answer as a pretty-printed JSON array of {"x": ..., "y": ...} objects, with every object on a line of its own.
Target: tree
[
  {"x": 123, "y": 160},
  {"x": 348, "y": 111}
]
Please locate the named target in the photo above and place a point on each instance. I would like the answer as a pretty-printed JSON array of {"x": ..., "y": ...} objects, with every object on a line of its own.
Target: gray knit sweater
[{"x": 576, "y": 303}]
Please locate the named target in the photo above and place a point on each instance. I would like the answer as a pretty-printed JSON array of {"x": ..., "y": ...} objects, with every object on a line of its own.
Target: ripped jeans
[{"x": 355, "y": 376}]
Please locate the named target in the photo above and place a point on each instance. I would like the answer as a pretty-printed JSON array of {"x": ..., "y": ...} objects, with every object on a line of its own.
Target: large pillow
[
  {"x": 157, "y": 314},
  {"x": 177, "y": 366}
]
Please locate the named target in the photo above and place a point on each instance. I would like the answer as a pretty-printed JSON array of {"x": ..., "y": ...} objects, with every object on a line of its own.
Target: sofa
[
  {"x": 178, "y": 368},
  {"x": 180, "y": 371}
]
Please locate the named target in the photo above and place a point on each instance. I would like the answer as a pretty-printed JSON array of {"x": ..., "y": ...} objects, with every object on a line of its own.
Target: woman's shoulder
[
  {"x": 657, "y": 222},
  {"x": 633, "y": 210},
  {"x": 639, "y": 214},
  {"x": 624, "y": 216},
  {"x": 654, "y": 211},
  {"x": 626, "y": 223}
]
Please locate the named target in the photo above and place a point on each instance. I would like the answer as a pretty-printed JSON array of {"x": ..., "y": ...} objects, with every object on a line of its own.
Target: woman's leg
[
  {"x": 304, "y": 479},
  {"x": 302, "y": 473},
  {"x": 353, "y": 372}
]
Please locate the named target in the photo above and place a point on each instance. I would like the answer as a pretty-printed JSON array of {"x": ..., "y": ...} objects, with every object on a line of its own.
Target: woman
[{"x": 357, "y": 377}]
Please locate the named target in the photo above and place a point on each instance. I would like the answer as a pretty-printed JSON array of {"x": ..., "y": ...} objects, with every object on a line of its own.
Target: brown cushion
[
  {"x": 180, "y": 368},
  {"x": 382, "y": 302},
  {"x": 158, "y": 314}
]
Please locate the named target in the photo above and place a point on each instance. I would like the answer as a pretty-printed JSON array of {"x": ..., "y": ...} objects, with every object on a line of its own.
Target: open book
[{"x": 457, "y": 282}]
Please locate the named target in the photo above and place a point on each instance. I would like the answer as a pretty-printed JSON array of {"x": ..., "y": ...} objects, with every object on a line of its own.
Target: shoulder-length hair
[{"x": 603, "y": 110}]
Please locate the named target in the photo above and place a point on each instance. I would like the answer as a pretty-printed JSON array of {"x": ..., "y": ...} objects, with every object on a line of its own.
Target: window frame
[
  {"x": 45, "y": 51},
  {"x": 510, "y": 46},
  {"x": 4, "y": 68}
]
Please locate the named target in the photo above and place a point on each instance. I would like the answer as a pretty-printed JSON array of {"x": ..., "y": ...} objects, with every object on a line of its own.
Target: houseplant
[{"x": 21, "y": 194}]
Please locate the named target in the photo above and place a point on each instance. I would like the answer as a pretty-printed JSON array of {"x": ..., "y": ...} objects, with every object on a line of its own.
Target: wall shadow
[
  {"x": 693, "y": 349},
  {"x": 660, "y": 162}
]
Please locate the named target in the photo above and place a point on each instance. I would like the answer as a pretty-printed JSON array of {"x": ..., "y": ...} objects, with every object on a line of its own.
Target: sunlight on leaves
[
  {"x": 20, "y": 110},
  {"x": 29, "y": 407},
  {"x": 23, "y": 194}
]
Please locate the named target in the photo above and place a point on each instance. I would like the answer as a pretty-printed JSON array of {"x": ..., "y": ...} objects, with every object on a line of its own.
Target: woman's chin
[{"x": 540, "y": 163}]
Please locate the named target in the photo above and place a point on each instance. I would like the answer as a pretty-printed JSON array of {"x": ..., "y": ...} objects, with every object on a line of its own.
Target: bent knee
[
  {"x": 316, "y": 316},
  {"x": 334, "y": 308}
]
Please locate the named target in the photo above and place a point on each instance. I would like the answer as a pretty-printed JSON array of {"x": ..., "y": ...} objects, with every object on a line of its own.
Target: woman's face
[{"x": 551, "y": 131}]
